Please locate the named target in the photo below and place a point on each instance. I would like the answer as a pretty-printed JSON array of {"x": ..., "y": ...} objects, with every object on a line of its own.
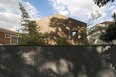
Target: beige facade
[
  {"x": 95, "y": 32},
  {"x": 59, "y": 26}
]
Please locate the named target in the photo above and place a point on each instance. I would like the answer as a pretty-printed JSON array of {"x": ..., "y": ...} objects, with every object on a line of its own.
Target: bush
[{"x": 61, "y": 41}]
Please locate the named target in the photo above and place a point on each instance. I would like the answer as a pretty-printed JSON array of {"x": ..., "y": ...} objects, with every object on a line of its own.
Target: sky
[{"x": 38, "y": 9}]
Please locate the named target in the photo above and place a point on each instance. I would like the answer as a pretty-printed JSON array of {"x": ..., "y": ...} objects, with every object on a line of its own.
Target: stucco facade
[
  {"x": 95, "y": 32},
  {"x": 60, "y": 26}
]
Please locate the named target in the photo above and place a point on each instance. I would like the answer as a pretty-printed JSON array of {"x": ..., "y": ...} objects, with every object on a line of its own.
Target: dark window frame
[{"x": 72, "y": 37}]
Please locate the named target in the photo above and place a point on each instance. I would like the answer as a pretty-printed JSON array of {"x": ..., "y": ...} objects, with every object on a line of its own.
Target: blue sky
[
  {"x": 43, "y": 7},
  {"x": 37, "y": 9}
]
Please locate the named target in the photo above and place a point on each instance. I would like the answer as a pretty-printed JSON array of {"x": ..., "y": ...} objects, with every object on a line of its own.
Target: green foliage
[
  {"x": 31, "y": 37},
  {"x": 84, "y": 41},
  {"x": 61, "y": 41},
  {"x": 23, "y": 38},
  {"x": 25, "y": 18},
  {"x": 101, "y": 3},
  {"x": 110, "y": 33},
  {"x": 26, "y": 39},
  {"x": 114, "y": 17}
]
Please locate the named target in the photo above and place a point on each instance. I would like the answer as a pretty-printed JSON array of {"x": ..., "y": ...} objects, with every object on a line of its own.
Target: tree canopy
[
  {"x": 30, "y": 35},
  {"x": 110, "y": 33},
  {"x": 101, "y": 3},
  {"x": 25, "y": 18}
]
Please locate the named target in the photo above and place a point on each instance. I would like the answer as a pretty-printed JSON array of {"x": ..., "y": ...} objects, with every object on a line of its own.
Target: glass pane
[
  {"x": 74, "y": 34},
  {"x": 13, "y": 39}
]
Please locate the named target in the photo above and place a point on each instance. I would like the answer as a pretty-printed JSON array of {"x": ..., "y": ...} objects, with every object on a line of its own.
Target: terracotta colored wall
[{"x": 4, "y": 40}]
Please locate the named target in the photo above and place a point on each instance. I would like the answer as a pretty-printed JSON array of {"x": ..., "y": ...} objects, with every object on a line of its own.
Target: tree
[
  {"x": 110, "y": 33},
  {"x": 31, "y": 36},
  {"x": 25, "y": 18},
  {"x": 94, "y": 16},
  {"x": 101, "y": 3},
  {"x": 35, "y": 38},
  {"x": 114, "y": 17}
]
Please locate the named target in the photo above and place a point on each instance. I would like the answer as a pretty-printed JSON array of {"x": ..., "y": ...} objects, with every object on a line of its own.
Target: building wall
[
  {"x": 4, "y": 40},
  {"x": 94, "y": 34},
  {"x": 59, "y": 26}
]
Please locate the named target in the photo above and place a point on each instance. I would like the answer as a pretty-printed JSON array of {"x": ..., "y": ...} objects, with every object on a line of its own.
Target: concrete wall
[
  {"x": 56, "y": 61},
  {"x": 61, "y": 26}
]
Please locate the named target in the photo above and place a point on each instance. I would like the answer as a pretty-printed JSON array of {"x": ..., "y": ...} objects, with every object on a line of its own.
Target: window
[
  {"x": 74, "y": 34},
  {"x": 14, "y": 39},
  {"x": 7, "y": 36},
  {"x": 77, "y": 34}
]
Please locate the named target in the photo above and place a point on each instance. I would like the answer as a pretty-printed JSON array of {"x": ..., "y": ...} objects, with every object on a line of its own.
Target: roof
[
  {"x": 63, "y": 16},
  {"x": 107, "y": 22},
  {"x": 8, "y": 31}
]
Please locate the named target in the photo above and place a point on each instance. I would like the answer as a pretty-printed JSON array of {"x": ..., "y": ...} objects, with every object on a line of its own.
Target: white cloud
[
  {"x": 31, "y": 10},
  {"x": 78, "y": 8},
  {"x": 110, "y": 19},
  {"x": 114, "y": 10},
  {"x": 60, "y": 8},
  {"x": 10, "y": 13},
  {"x": 8, "y": 17},
  {"x": 9, "y": 20},
  {"x": 9, "y": 5},
  {"x": 112, "y": 7}
]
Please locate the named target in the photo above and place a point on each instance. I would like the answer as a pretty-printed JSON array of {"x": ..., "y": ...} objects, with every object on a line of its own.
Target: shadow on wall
[
  {"x": 37, "y": 61},
  {"x": 12, "y": 63},
  {"x": 62, "y": 34}
]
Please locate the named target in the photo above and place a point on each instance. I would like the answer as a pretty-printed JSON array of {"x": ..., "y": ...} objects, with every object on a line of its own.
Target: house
[
  {"x": 8, "y": 37},
  {"x": 95, "y": 31},
  {"x": 60, "y": 27},
  {"x": 106, "y": 23}
]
